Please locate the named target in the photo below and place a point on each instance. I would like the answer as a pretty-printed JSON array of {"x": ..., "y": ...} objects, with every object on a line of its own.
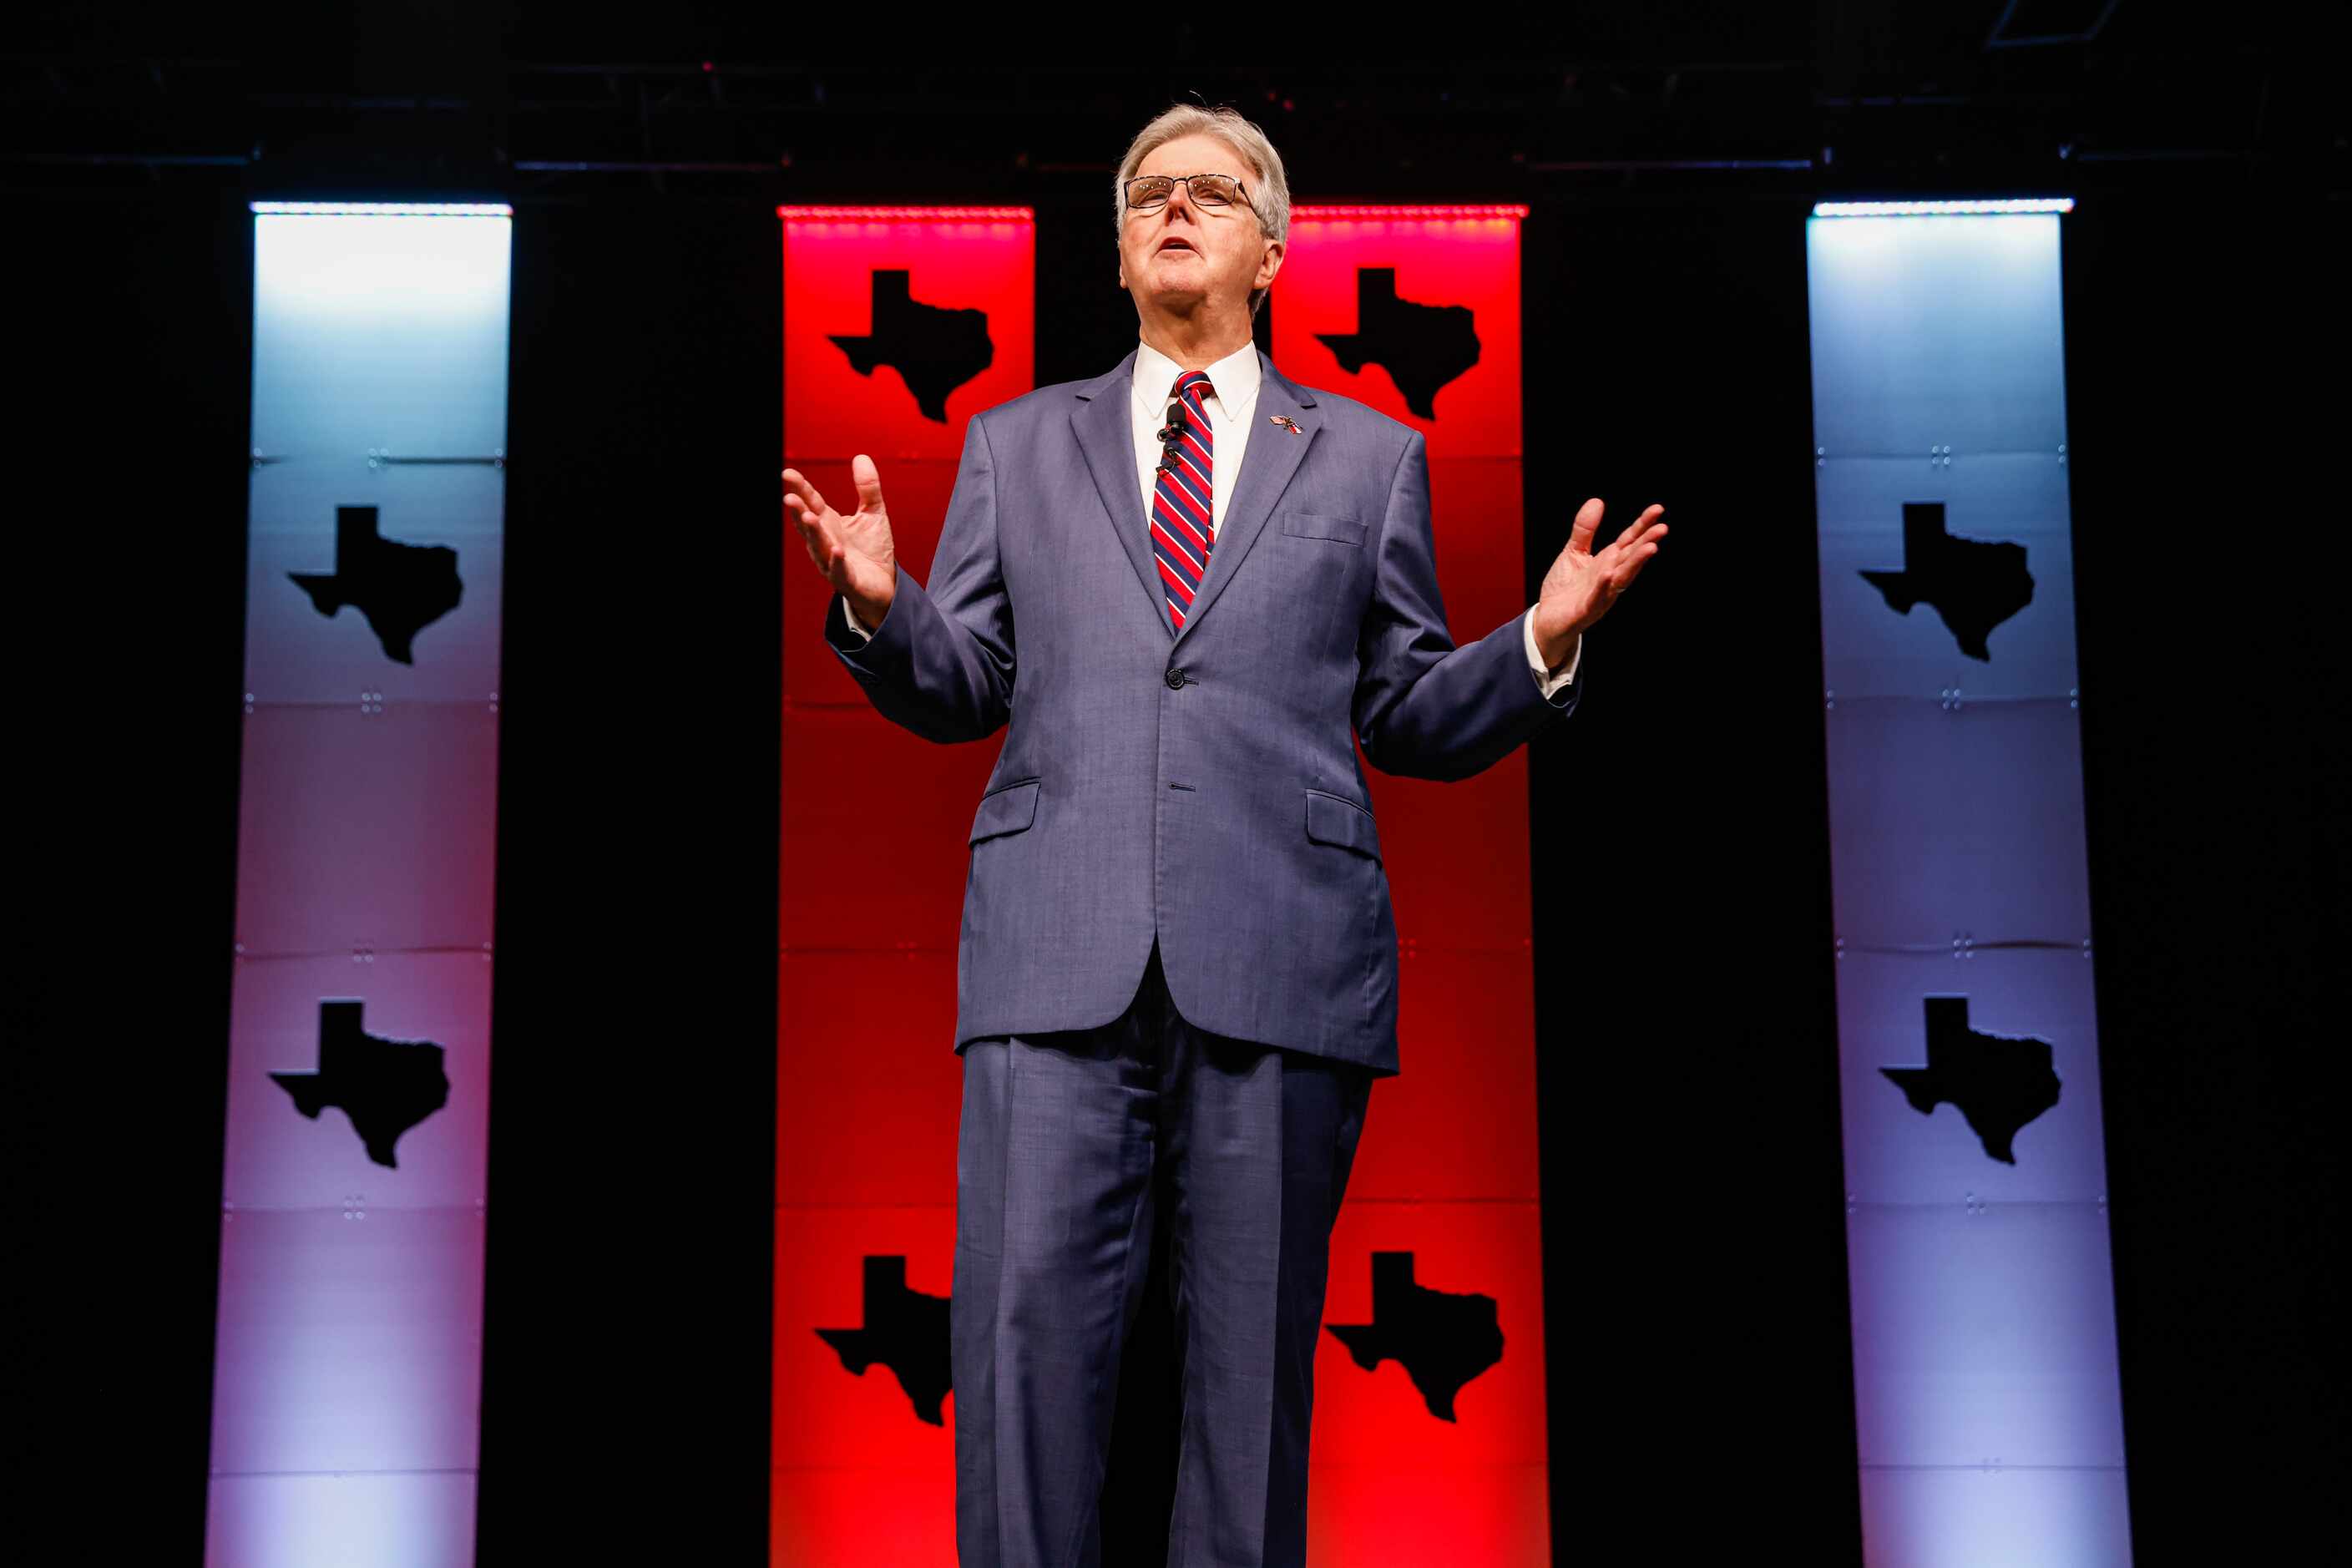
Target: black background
[{"x": 1699, "y": 1374}]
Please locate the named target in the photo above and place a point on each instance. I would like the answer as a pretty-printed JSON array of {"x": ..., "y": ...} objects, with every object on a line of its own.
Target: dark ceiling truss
[{"x": 1982, "y": 93}]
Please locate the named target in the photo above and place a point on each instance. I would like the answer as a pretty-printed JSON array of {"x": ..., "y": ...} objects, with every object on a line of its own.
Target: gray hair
[{"x": 1268, "y": 195}]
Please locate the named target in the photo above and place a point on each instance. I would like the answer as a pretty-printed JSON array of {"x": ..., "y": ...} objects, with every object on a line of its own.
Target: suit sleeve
[
  {"x": 1424, "y": 708},
  {"x": 940, "y": 663}
]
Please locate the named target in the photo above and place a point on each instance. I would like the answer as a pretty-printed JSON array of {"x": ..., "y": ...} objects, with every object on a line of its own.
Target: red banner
[
  {"x": 1415, "y": 311},
  {"x": 899, "y": 324}
]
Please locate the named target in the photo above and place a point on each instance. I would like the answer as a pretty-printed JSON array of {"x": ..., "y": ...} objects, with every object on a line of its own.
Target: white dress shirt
[
  {"x": 1232, "y": 408},
  {"x": 1231, "y": 404}
]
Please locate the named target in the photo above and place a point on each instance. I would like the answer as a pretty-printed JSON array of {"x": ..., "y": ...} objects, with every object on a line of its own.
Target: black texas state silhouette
[
  {"x": 384, "y": 1086},
  {"x": 400, "y": 588},
  {"x": 905, "y": 1331},
  {"x": 1442, "y": 1338},
  {"x": 934, "y": 350},
  {"x": 1998, "y": 1082},
  {"x": 1975, "y": 585},
  {"x": 1423, "y": 346}
]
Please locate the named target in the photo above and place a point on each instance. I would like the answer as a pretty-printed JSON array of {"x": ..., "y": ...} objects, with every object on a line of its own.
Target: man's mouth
[{"x": 1173, "y": 244}]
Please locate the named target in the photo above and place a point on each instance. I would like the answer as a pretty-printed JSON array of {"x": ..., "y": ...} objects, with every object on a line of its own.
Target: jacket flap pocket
[
  {"x": 1008, "y": 810},
  {"x": 1322, "y": 525},
  {"x": 1332, "y": 820}
]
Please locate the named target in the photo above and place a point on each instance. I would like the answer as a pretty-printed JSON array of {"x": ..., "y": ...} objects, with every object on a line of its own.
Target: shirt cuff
[
  {"x": 850, "y": 616},
  {"x": 1547, "y": 682}
]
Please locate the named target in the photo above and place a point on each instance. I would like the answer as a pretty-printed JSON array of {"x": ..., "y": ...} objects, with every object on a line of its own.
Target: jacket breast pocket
[
  {"x": 1333, "y": 819},
  {"x": 1322, "y": 525},
  {"x": 1007, "y": 810}
]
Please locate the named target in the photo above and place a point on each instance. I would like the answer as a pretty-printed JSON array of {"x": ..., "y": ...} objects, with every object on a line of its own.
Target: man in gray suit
[{"x": 1190, "y": 585}]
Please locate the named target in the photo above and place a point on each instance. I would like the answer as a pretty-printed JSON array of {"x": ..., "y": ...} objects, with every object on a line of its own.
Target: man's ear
[{"x": 1269, "y": 263}]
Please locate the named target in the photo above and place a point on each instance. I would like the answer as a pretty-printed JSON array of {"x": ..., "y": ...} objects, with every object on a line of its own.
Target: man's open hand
[
  {"x": 1582, "y": 585},
  {"x": 855, "y": 552}
]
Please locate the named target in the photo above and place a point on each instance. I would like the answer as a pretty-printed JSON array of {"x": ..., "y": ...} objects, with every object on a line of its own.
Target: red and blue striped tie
[{"x": 1182, "y": 510}]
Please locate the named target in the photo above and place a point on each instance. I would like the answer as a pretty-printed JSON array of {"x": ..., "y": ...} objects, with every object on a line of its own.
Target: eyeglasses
[{"x": 1148, "y": 192}]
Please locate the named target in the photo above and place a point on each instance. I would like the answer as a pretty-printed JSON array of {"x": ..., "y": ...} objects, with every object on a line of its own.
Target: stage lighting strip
[
  {"x": 382, "y": 209},
  {"x": 1944, "y": 209},
  {"x": 907, "y": 215},
  {"x": 1343, "y": 213}
]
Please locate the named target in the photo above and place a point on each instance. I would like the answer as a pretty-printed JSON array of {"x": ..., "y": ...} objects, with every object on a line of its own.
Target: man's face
[{"x": 1179, "y": 254}]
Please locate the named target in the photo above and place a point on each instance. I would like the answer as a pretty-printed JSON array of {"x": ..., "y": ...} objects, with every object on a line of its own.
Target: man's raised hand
[
  {"x": 1582, "y": 584},
  {"x": 855, "y": 552}
]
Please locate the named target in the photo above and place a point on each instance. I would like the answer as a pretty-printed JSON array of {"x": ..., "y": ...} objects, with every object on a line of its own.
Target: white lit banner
[
  {"x": 347, "y": 1366},
  {"x": 1987, "y": 1403}
]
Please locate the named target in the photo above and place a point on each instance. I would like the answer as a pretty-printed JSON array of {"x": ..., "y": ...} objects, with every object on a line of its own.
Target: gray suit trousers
[{"x": 1071, "y": 1147}]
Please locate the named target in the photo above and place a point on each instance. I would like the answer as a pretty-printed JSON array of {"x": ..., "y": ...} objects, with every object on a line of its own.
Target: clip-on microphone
[{"x": 1170, "y": 432}]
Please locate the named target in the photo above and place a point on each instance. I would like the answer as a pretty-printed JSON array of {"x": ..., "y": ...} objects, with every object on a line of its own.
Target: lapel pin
[{"x": 1286, "y": 422}]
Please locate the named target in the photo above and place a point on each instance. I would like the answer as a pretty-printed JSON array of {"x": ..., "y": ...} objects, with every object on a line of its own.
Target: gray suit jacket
[{"x": 1200, "y": 787}]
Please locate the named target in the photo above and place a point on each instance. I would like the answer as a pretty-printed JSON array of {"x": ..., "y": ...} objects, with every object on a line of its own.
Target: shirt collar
[{"x": 1235, "y": 377}]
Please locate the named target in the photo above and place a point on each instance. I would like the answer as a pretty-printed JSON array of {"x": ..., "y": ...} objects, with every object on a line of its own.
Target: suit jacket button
[{"x": 1176, "y": 679}]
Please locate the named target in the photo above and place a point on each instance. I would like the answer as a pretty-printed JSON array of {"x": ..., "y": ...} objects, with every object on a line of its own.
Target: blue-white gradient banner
[
  {"x": 1987, "y": 1403},
  {"x": 347, "y": 1363}
]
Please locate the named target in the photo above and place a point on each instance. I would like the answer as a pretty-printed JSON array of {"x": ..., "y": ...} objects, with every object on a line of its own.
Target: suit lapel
[
  {"x": 1106, "y": 437},
  {"x": 1269, "y": 460}
]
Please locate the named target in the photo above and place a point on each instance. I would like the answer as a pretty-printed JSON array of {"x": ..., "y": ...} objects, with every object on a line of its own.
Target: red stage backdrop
[
  {"x": 899, "y": 324},
  {"x": 1414, "y": 310}
]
